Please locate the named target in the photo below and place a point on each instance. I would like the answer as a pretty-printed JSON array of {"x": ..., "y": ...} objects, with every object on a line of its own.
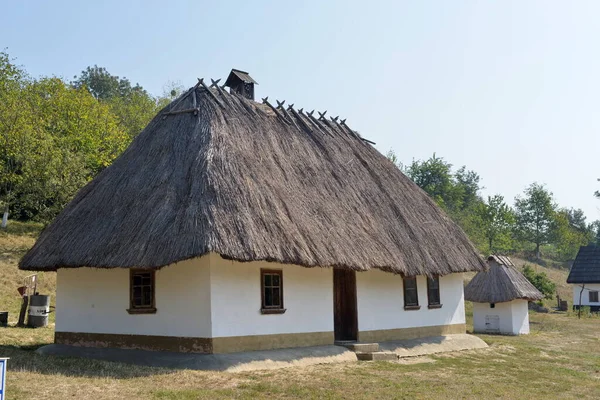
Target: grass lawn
[{"x": 560, "y": 359}]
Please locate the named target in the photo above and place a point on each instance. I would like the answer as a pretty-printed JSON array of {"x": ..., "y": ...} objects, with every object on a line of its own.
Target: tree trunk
[
  {"x": 580, "y": 294},
  {"x": 5, "y": 217},
  {"x": 537, "y": 251}
]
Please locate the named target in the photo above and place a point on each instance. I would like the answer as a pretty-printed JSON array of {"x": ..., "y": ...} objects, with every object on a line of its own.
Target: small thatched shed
[
  {"x": 500, "y": 298},
  {"x": 221, "y": 199}
]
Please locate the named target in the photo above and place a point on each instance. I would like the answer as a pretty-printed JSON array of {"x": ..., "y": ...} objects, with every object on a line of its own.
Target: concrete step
[
  {"x": 377, "y": 356},
  {"x": 363, "y": 347}
]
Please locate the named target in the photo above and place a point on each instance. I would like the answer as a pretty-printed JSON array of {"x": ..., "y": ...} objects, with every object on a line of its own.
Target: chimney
[{"x": 241, "y": 83}]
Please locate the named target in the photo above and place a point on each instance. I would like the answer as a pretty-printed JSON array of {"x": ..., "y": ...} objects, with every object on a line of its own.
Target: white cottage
[
  {"x": 500, "y": 298},
  {"x": 229, "y": 225},
  {"x": 585, "y": 278}
]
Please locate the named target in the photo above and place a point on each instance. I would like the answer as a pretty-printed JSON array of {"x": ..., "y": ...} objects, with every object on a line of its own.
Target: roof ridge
[{"x": 330, "y": 127}]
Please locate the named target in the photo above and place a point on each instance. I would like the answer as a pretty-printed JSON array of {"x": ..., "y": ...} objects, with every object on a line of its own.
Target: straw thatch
[
  {"x": 233, "y": 177},
  {"x": 586, "y": 267},
  {"x": 500, "y": 283}
]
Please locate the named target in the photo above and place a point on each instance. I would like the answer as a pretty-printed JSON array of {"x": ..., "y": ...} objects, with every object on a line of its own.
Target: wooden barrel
[{"x": 39, "y": 308}]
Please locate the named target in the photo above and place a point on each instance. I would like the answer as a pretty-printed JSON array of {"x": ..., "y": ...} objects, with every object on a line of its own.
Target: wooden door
[{"x": 344, "y": 305}]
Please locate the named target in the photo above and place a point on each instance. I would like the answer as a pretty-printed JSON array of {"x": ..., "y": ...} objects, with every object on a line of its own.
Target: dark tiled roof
[{"x": 586, "y": 268}]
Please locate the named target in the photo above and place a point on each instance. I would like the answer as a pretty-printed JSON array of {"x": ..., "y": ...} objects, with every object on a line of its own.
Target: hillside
[{"x": 14, "y": 242}]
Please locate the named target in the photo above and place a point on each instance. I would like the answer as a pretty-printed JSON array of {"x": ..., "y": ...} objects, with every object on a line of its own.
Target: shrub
[{"x": 540, "y": 281}]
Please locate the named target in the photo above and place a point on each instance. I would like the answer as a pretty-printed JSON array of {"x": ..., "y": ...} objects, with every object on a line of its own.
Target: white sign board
[{"x": 2, "y": 377}]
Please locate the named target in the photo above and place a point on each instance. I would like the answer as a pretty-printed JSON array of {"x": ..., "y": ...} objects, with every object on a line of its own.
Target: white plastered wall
[
  {"x": 203, "y": 297},
  {"x": 95, "y": 300},
  {"x": 520, "y": 317},
  {"x": 381, "y": 302},
  {"x": 212, "y": 297},
  {"x": 585, "y": 296},
  {"x": 513, "y": 317},
  {"x": 236, "y": 299}
]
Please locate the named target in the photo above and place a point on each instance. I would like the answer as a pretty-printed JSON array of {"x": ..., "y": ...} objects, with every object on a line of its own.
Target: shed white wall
[
  {"x": 513, "y": 317},
  {"x": 236, "y": 299},
  {"x": 520, "y": 317},
  {"x": 96, "y": 301},
  {"x": 585, "y": 298},
  {"x": 381, "y": 302}
]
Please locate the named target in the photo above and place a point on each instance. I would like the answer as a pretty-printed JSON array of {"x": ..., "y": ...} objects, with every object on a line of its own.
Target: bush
[{"x": 540, "y": 281}]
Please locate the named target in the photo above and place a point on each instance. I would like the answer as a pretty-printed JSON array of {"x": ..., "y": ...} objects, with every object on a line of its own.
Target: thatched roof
[
  {"x": 500, "y": 283},
  {"x": 586, "y": 268},
  {"x": 215, "y": 172}
]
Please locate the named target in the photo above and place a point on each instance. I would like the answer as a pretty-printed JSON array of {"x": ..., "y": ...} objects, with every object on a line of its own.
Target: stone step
[
  {"x": 377, "y": 356},
  {"x": 363, "y": 347}
]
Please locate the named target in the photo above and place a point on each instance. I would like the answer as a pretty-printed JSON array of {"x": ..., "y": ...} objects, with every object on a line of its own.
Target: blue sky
[{"x": 508, "y": 88}]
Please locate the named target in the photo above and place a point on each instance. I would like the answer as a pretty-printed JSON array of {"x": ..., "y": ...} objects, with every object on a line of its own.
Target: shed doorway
[{"x": 345, "y": 314}]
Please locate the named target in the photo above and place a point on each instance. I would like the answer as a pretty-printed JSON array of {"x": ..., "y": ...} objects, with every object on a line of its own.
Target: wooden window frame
[
  {"x": 280, "y": 309},
  {"x": 430, "y": 304},
  {"x": 133, "y": 309},
  {"x": 411, "y": 306},
  {"x": 595, "y": 293}
]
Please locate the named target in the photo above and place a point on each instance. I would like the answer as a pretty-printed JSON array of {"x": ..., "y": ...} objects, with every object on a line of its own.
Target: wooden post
[
  {"x": 23, "y": 311},
  {"x": 580, "y": 294},
  {"x": 215, "y": 98},
  {"x": 275, "y": 110}
]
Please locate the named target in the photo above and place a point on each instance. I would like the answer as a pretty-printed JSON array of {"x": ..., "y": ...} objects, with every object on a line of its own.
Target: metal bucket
[
  {"x": 3, "y": 319},
  {"x": 39, "y": 308}
]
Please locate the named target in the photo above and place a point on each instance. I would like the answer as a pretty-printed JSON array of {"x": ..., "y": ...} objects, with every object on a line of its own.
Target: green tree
[
  {"x": 570, "y": 231},
  {"x": 576, "y": 219},
  {"x": 435, "y": 177},
  {"x": 456, "y": 192},
  {"x": 534, "y": 216},
  {"x": 132, "y": 104},
  {"x": 77, "y": 137},
  {"x": 103, "y": 85},
  {"x": 595, "y": 228},
  {"x": 540, "y": 281},
  {"x": 467, "y": 183},
  {"x": 497, "y": 220},
  {"x": 15, "y": 140},
  {"x": 53, "y": 139}
]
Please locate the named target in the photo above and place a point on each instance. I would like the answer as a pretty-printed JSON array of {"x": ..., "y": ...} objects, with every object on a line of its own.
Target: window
[
  {"x": 141, "y": 292},
  {"x": 411, "y": 298},
  {"x": 593, "y": 296},
  {"x": 271, "y": 282},
  {"x": 433, "y": 292},
  {"x": 492, "y": 305}
]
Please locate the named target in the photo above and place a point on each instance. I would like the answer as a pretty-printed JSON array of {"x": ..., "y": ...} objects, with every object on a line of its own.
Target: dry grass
[
  {"x": 560, "y": 359},
  {"x": 14, "y": 242}
]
